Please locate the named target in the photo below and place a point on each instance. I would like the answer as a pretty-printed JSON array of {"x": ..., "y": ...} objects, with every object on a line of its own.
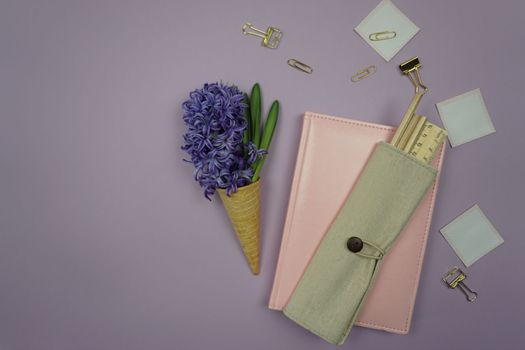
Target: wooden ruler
[
  {"x": 419, "y": 137},
  {"x": 423, "y": 139}
]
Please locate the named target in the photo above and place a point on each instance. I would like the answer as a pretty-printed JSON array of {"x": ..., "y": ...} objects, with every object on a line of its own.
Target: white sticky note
[
  {"x": 465, "y": 117},
  {"x": 387, "y": 17},
  {"x": 471, "y": 235}
]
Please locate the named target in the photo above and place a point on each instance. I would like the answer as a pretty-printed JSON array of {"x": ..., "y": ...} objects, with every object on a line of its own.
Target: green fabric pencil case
[{"x": 328, "y": 297}]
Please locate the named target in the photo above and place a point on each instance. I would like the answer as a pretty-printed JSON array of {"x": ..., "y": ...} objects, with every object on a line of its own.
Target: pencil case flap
[{"x": 332, "y": 289}]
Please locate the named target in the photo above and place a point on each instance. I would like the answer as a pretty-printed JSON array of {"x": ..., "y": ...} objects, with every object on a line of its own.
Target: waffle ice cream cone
[{"x": 243, "y": 208}]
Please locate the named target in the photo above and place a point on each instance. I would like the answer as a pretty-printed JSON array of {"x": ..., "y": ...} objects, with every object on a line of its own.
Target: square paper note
[
  {"x": 465, "y": 117},
  {"x": 386, "y": 17},
  {"x": 471, "y": 235}
]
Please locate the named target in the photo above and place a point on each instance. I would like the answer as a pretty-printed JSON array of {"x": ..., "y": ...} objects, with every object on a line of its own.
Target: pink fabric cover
[{"x": 332, "y": 154}]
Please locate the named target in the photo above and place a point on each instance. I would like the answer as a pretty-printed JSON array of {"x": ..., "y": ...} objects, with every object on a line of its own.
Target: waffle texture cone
[{"x": 243, "y": 208}]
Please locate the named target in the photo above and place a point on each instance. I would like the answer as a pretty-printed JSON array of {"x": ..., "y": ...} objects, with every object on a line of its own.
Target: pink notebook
[{"x": 332, "y": 153}]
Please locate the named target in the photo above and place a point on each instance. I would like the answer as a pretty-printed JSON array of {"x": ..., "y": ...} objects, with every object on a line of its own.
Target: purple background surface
[{"x": 106, "y": 242}]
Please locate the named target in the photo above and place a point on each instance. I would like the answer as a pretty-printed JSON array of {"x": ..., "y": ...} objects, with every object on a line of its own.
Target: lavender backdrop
[{"x": 106, "y": 242}]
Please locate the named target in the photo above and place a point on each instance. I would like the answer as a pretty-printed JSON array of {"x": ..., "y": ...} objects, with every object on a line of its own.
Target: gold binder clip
[
  {"x": 363, "y": 73},
  {"x": 303, "y": 67},
  {"x": 454, "y": 278},
  {"x": 386, "y": 35},
  {"x": 411, "y": 69},
  {"x": 271, "y": 37}
]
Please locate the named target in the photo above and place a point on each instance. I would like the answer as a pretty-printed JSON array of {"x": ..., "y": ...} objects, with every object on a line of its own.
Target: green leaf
[
  {"x": 255, "y": 110},
  {"x": 269, "y": 129}
]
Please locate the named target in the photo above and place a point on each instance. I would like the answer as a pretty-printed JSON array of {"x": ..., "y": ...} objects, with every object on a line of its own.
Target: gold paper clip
[
  {"x": 454, "y": 278},
  {"x": 303, "y": 67},
  {"x": 271, "y": 37},
  {"x": 363, "y": 73},
  {"x": 386, "y": 35}
]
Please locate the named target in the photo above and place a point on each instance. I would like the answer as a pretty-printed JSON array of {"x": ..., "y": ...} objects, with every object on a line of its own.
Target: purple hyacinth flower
[{"x": 214, "y": 116}]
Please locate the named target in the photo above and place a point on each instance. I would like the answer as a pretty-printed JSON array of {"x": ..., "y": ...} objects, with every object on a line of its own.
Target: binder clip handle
[{"x": 469, "y": 293}]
